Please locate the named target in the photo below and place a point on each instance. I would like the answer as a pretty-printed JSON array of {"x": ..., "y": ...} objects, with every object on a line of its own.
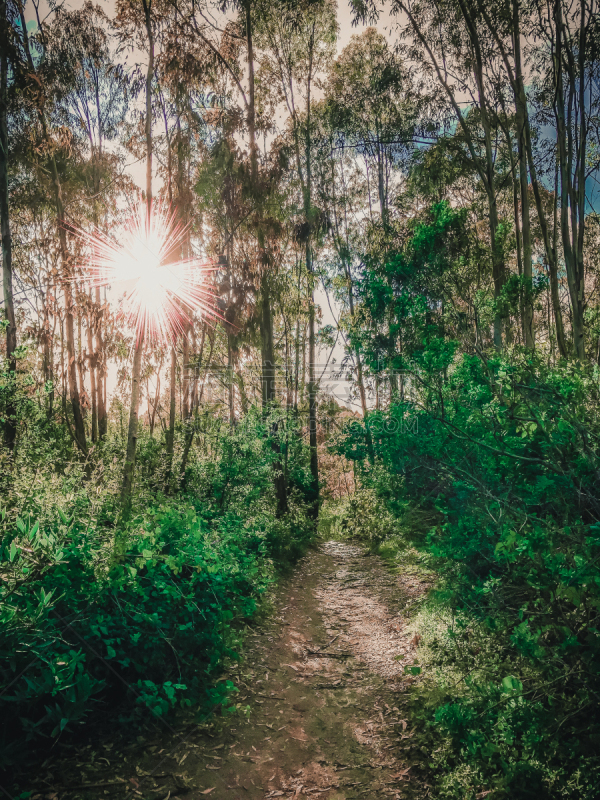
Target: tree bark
[
  {"x": 172, "y": 410},
  {"x": 10, "y": 427},
  {"x": 521, "y": 111},
  {"x": 132, "y": 431},
  {"x": 93, "y": 373},
  {"x": 567, "y": 197}
]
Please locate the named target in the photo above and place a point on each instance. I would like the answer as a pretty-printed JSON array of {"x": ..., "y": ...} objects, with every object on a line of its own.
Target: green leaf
[
  {"x": 13, "y": 551},
  {"x": 511, "y": 684}
]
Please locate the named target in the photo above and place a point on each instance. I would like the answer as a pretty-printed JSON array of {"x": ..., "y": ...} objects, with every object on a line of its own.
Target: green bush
[
  {"x": 503, "y": 457},
  {"x": 131, "y": 619},
  {"x": 150, "y": 631}
]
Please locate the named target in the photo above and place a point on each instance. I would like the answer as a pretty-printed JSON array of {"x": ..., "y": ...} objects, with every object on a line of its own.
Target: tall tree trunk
[
  {"x": 99, "y": 354},
  {"x": 564, "y": 137},
  {"x": 312, "y": 393},
  {"x": 93, "y": 373},
  {"x": 251, "y": 103},
  {"x": 172, "y": 410},
  {"x": 312, "y": 386},
  {"x": 81, "y": 359},
  {"x": 520, "y": 102},
  {"x": 74, "y": 396},
  {"x": 132, "y": 431},
  {"x": 10, "y": 427},
  {"x": 185, "y": 374},
  {"x": 269, "y": 392},
  {"x": 553, "y": 270},
  {"x": 268, "y": 353},
  {"x": 230, "y": 377},
  {"x": 100, "y": 357},
  {"x": 381, "y": 178}
]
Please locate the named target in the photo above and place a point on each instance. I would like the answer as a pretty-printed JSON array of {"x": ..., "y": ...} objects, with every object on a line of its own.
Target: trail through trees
[{"x": 324, "y": 685}]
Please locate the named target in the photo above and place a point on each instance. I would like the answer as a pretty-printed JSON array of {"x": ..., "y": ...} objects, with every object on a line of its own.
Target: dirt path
[{"x": 325, "y": 691}]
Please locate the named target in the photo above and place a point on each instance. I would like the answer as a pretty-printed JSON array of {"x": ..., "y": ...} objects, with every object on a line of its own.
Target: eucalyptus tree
[
  {"x": 566, "y": 55},
  {"x": 137, "y": 21},
  {"x": 8, "y": 15},
  {"x": 94, "y": 109},
  {"x": 297, "y": 42},
  {"x": 370, "y": 102},
  {"x": 342, "y": 192},
  {"x": 47, "y": 74}
]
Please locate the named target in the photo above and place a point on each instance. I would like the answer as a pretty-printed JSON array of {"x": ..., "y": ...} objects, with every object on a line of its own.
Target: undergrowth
[
  {"x": 492, "y": 488},
  {"x": 126, "y": 620}
]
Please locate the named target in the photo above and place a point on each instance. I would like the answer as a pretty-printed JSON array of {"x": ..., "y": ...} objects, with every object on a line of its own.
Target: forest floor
[{"x": 323, "y": 679}]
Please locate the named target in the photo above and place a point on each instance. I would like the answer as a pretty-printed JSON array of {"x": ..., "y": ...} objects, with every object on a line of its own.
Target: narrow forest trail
[{"x": 325, "y": 691}]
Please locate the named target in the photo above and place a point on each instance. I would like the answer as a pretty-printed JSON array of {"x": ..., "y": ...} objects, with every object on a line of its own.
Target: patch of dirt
[{"x": 323, "y": 679}]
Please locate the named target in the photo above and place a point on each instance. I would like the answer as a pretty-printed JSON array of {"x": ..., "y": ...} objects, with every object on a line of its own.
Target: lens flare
[{"x": 162, "y": 291}]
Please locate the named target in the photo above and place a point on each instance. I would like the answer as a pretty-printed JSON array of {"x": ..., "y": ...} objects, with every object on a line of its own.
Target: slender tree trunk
[
  {"x": 100, "y": 358},
  {"x": 172, "y": 409},
  {"x": 251, "y": 103},
  {"x": 297, "y": 365},
  {"x": 312, "y": 356},
  {"x": 230, "y": 377},
  {"x": 99, "y": 354},
  {"x": 132, "y": 431},
  {"x": 185, "y": 374},
  {"x": 554, "y": 286},
  {"x": 269, "y": 393},
  {"x": 521, "y": 100},
  {"x": 10, "y": 427},
  {"x": 81, "y": 359},
  {"x": 517, "y": 217},
  {"x": 93, "y": 372},
  {"x": 147, "y": 4},
  {"x": 521, "y": 111},
  {"x": 381, "y": 180},
  {"x": 312, "y": 393},
  {"x": 268, "y": 353},
  {"x": 564, "y": 160}
]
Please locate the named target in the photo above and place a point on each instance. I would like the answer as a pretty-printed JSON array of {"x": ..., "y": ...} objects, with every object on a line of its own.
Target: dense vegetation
[{"x": 431, "y": 195}]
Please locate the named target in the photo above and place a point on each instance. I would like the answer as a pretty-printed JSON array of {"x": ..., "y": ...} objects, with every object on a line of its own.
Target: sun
[{"x": 162, "y": 289}]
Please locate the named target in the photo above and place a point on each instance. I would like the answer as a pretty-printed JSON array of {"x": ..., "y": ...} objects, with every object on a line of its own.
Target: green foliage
[
  {"x": 363, "y": 516},
  {"x": 87, "y": 626},
  {"x": 503, "y": 457}
]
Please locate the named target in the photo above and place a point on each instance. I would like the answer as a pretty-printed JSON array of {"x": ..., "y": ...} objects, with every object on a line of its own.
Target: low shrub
[
  {"x": 102, "y": 617},
  {"x": 492, "y": 471}
]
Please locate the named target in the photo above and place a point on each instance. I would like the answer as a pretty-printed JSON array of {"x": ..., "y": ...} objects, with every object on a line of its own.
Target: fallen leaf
[{"x": 208, "y": 791}]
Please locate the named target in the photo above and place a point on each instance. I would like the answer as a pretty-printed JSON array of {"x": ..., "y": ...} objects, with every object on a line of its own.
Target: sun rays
[{"x": 162, "y": 289}]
